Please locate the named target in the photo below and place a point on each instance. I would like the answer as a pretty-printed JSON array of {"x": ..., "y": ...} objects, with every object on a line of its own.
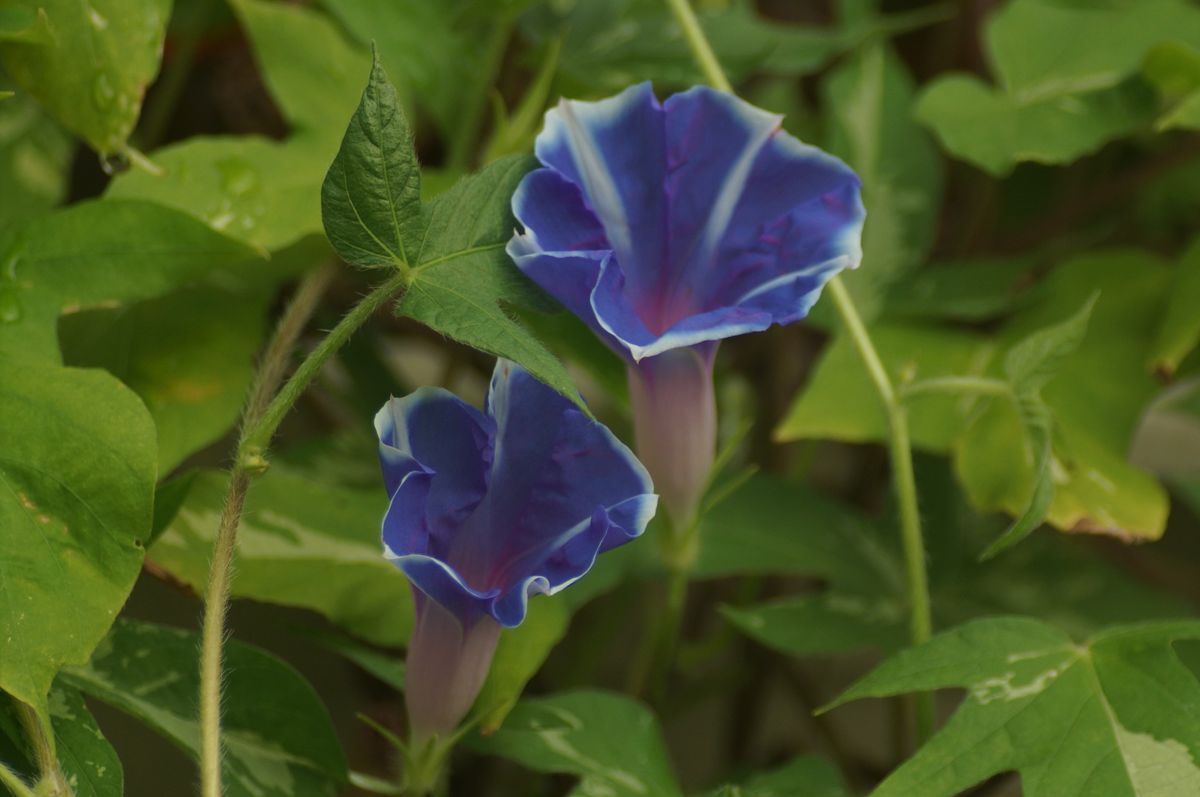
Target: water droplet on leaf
[{"x": 114, "y": 163}]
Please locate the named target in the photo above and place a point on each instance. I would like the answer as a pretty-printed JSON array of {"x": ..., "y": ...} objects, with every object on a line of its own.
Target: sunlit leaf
[
  {"x": 1067, "y": 80},
  {"x": 121, "y": 41},
  {"x": 96, "y": 253},
  {"x": 1118, "y": 715},
  {"x": 76, "y": 485},
  {"x": 264, "y": 192}
]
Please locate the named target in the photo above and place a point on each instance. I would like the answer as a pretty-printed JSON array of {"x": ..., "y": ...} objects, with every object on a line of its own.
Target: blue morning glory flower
[
  {"x": 488, "y": 509},
  {"x": 670, "y": 227}
]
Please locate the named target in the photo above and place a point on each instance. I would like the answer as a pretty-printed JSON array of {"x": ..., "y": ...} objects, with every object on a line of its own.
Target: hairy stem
[
  {"x": 216, "y": 603},
  {"x": 904, "y": 483},
  {"x": 41, "y": 738},
  {"x": 13, "y": 782},
  {"x": 258, "y": 434}
]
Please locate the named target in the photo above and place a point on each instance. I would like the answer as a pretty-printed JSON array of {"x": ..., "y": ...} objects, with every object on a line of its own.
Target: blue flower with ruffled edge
[
  {"x": 669, "y": 227},
  {"x": 488, "y": 509}
]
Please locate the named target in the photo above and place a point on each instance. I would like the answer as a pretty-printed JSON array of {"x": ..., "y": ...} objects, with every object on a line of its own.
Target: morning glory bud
[
  {"x": 670, "y": 227},
  {"x": 488, "y": 509}
]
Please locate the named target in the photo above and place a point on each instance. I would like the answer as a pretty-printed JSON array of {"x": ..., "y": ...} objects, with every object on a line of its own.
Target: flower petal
[
  {"x": 749, "y": 203},
  {"x": 555, "y": 477},
  {"x": 613, "y": 150},
  {"x": 558, "y": 490},
  {"x": 434, "y": 432}
]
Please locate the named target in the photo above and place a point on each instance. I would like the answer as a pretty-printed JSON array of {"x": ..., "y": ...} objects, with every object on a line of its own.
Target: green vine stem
[
  {"x": 905, "y": 485},
  {"x": 900, "y": 446},
  {"x": 263, "y": 412},
  {"x": 12, "y": 781},
  {"x": 41, "y": 737}
]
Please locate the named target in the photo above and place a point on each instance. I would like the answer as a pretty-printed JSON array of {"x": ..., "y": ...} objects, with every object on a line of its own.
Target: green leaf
[
  {"x": 34, "y": 156},
  {"x": 611, "y": 44},
  {"x": 995, "y": 131},
  {"x": 770, "y": 525},
  {"x": 94, "y": 253},
  {"x": 776, "y": 527},
  {"x": 189, "y": 355},
  {"x": 983, "y": 289},
  {"x": 1179, "y": 332},
  {"x": 452, "y": 247},
  {"x": 371, "y": 198},
  {"x": 24, "y": 24},
  {"x": 1066, "y": 80},
  {"x": 1118, "y": 716},
  {"x": 1097, "y": 397},
  {"x": 302, "y": 543},
  {"x": 611, "y": 742},
  {"x": 1038, "y": 425},
  {"x": 840, "y": 400},
  {"x": 76, "y": 485},
  {"x": 870, "y": 99},
  {"x": 264, "y": 192},
  {"x": 806, "y": 776},
  {"x": 88, "y": 761},
  {"x": 1034, "y": 361},
  {"x": 121, "y": 43},
  {"x": 310, "y": 68},
  {"x": 277, "y": 737},
  {"x": 519, "y": 656},
  {"x": 827, "y": 623},
  {"x": 1029, "y": 365},
  {"x": 387, "y": 668}
]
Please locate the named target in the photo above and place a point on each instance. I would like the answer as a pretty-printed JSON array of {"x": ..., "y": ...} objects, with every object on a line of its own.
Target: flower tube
[
  {"x": 669, "y": 227},
  {"x": 488, "y": 509}
]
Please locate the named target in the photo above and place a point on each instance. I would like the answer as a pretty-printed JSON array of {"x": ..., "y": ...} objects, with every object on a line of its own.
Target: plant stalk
[
  {"x": 904, "y": 483},
  {"x": 900, "y": 447},
  {"x": 702, "y": 51},
  {"x": 958, "y": 386},
  {"x": 13, "y": 782},
  {"x": 41, "y": 738},
  {"x": 216, "y": 605}
]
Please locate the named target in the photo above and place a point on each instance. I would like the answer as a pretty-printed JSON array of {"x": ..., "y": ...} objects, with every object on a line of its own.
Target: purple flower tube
[
  {"x": 488, "y": 509},
  {"x": 670, "y": 227}
]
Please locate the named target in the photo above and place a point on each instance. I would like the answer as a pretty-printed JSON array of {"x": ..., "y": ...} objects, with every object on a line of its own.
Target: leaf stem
[
  {"x": 216, "y": 605},
  {"x": 701, "y": 50},
  {"x": 41, "y": 737},
  {"x": 14, "y": 783},
  {"x": 958, "y": 385},
  {"x": 260, "y": 430},
  {"x": 904, "y": 483}
]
